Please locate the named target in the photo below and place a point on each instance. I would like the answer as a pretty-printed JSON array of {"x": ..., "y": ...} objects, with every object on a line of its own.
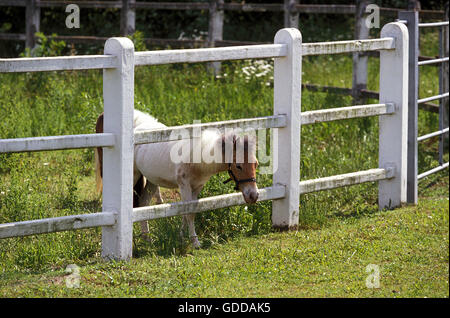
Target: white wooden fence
[{"x": 118, "y": 64}]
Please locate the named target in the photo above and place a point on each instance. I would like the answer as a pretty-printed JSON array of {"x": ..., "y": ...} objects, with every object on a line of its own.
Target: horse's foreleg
[
  {"x": 188, "y": 194},
  {"x": 188, "y": 219},
  {"x": 144, "y": 199}
]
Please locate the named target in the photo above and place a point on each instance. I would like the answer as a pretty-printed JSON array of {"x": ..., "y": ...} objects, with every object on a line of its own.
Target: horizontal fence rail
[
  {"x": 433, "y": 134},
  {"x": 343, "y": 180},
  {"x": 56, "y": 142},
  {"x": 173, "y": 133},
  {"x": 338, "y": 47},
  {"x": 258, "y": 51},
  {"x": 324, "y": 115},
  {"x": 433, "y": 24},
  {"x": 210, "y": 54},
  {"x": 189, "y": 55},
  {"x": 59, "y": 63},
  {"x": 428, "y": 99},
  {"x": 433, "y": 61},
  {"x": 206, "y": 204},
  {"x": 434, "y": 170},
  {"x": 57, "y": 224}
]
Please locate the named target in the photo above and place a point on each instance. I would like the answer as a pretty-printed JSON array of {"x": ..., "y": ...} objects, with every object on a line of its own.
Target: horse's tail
[
  {"x": 98, "y": 171},
  {"x": 99, "y": 156}
]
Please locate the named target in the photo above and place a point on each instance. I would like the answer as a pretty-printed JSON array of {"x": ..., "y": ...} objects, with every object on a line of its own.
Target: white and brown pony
[{"x": 154, "y": 166}]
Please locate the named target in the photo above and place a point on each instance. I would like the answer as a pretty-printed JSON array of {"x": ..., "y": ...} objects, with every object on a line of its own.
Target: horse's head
[{"x": 242, "y": 167}]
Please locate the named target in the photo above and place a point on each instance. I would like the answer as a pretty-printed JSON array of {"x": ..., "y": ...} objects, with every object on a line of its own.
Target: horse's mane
[
  {"x": 145, "y": 121},
  {"x": 245, "y": 142}
]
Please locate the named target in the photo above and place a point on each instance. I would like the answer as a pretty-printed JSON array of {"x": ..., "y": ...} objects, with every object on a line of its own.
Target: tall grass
[{"x": 48, "y": 184}]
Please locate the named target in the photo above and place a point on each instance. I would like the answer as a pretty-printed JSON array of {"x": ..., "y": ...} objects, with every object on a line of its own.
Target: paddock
[{"x": 118, "y": 62}]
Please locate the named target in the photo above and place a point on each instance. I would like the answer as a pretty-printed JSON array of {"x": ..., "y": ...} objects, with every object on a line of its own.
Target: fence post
[
  {"x": 127, "y": 17},
  {"x": 32, "y": 22},
  {"x": 287, "y": 101},
  {"x": 445, "y": 81},
  {"x": 360, "y": 60},
  {"x": 291, "y": 14},
  {"x": 215, "y": 29},
  {"x": 118, "y": 96},
  {"x": 393, "y": 129},
  {"x": 412, "y": 19},
  {"x": 441, "y": 101},
  {"x": 413, "y": 5}
]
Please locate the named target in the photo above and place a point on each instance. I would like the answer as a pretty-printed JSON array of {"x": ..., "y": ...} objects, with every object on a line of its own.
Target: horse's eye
[{"x": 238, "y": 167}]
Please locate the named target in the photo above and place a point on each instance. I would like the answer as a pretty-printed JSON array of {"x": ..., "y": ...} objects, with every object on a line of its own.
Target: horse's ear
[{"x": 246, "y": 143}]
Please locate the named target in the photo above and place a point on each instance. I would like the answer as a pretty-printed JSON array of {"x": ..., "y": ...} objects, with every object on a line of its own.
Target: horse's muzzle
[{"x": 251, "y": 196}]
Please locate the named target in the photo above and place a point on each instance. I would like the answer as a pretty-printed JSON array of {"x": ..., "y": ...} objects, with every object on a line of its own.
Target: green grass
[
  {"x": 410, "y": 246},
  {"x": 239, "y": 245}
]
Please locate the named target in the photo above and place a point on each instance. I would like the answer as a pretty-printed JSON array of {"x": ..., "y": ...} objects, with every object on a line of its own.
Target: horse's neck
[
  {"x": 210, "y": 169},
  {"x": 212, "y": 143}
]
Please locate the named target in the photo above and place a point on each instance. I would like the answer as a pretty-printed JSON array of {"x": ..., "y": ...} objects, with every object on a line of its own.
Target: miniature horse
[{"x": 154, "y": 166}]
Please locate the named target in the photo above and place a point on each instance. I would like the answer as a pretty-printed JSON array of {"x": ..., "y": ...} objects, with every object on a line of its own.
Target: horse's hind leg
[{"x": 159, "y": 199}]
